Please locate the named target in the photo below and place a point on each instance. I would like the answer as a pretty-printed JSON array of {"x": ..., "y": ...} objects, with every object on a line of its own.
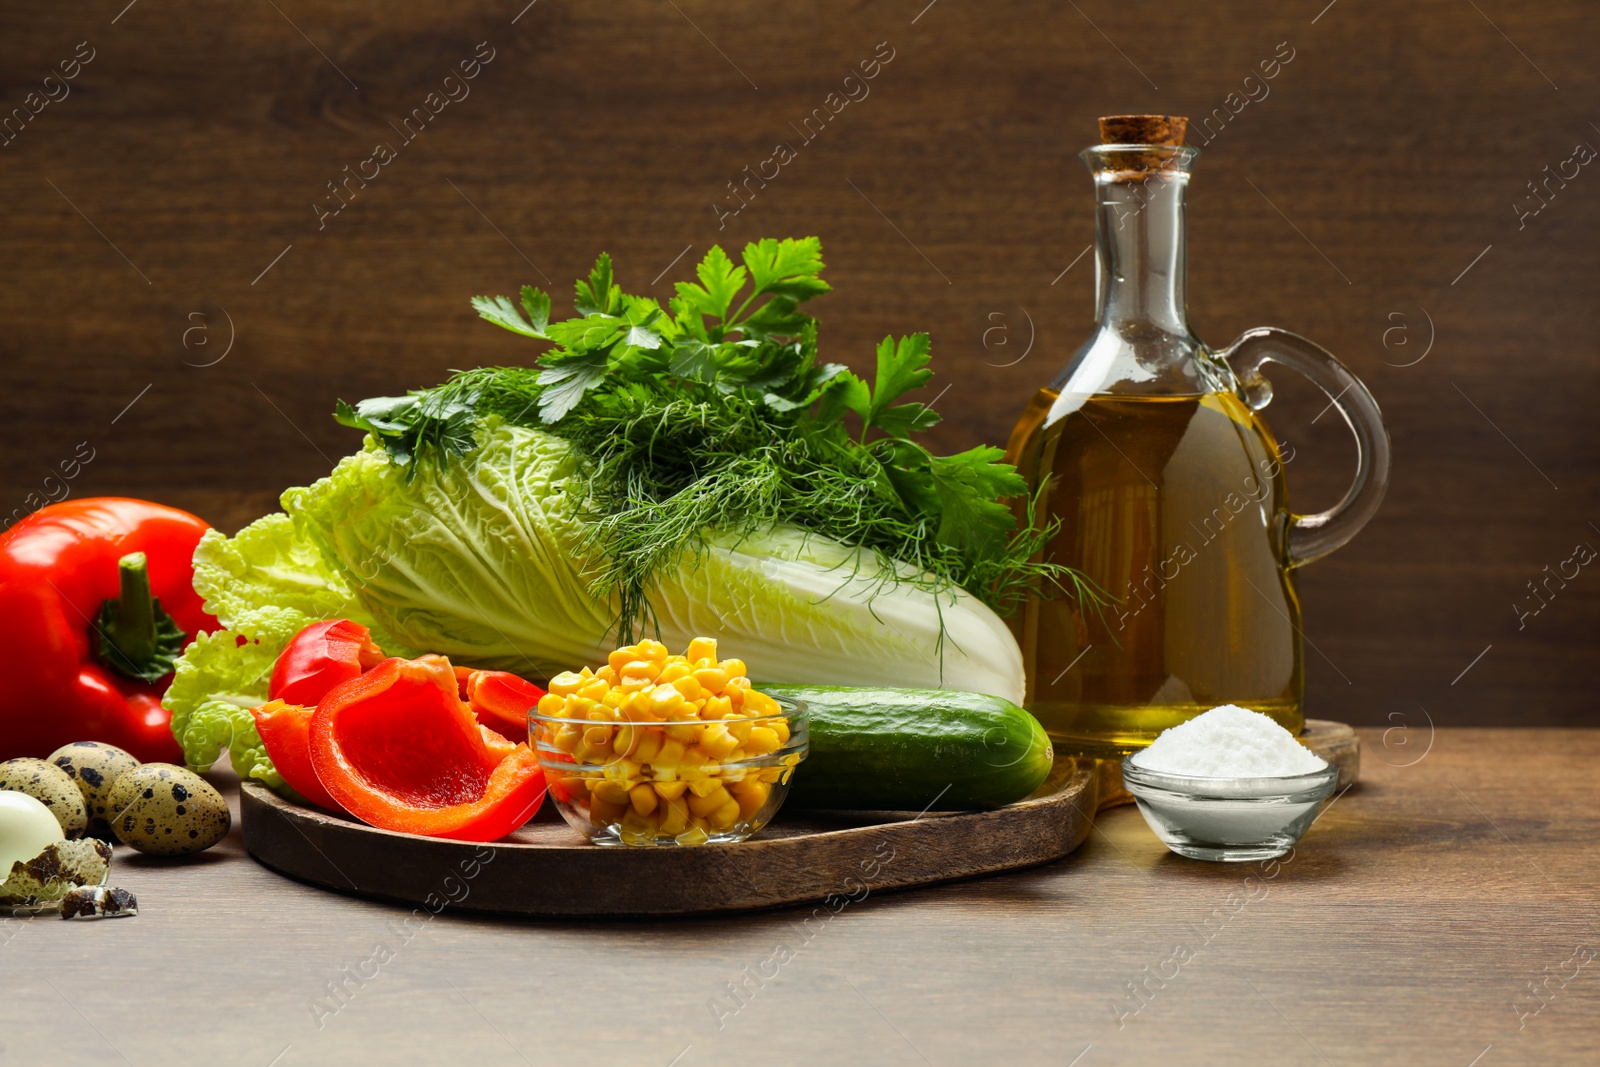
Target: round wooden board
[{"x": 546, "y": 869}]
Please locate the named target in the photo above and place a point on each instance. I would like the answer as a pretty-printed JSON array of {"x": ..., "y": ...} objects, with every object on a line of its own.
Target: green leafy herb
[{"x": 715, "y": 414}]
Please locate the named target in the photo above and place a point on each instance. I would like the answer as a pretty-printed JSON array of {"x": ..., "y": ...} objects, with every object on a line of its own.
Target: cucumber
[{"x": 907, "y": 749}]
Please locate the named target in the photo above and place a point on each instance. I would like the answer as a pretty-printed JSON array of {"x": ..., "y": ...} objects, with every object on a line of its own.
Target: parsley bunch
[{"x": 715, "y": 414}]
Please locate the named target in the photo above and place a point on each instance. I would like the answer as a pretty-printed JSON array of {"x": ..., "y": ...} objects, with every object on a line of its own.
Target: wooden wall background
[{"x": 1368, "y": 201}]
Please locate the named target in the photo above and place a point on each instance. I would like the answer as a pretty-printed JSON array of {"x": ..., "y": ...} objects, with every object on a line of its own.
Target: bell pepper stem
[
  {"x": 136, "y": 613},
  {"x": 134, "y": 636}
]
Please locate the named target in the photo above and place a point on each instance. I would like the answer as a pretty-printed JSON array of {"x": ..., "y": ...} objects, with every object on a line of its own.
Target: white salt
[{"x": 1228, "y": 742}]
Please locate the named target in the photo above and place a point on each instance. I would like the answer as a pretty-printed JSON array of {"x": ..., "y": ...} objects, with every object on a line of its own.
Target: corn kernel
[
  {"x": 724, "y": 817},
  {"x": 597, "y": 737},
  {"x": 738, "y": 683},
  {"x": 705, "y": 787},
  {"x": 647, "y": 745},
  {"x": 717, "y": 708},
  {"x": 623, "y": 770},
  {"x": 654, "y": 651},
  {"x": 602, "y": 811},
  {"x": 695, "y": 835},
  {"x": 610, "y": 792},
  {"x": 618, "y": 660},
  {"x": 733, "y": 668},
  {"x": 669, "y": 790},
  {"x": 640, "y": 669},
  {"x": 626, "y": 741},
  {"x": 607, "y": 674},
  {"x": 717, "y": 742},
  {"x": 711, "y": 679},
  {"x": 687, "y": 685},
  {"x": 615, "y": 698},
  {"x": 692, "y": 767},
  {"x": 686, "y": 732},
  {"x": 565, "y": 683},
  {"x": 758, "y": 703},
  {"x": 595, "y": 689},
  {"x": 643, "y": 798},
  {"x": 670, "y": 756},
  {"x": 762, "y": 741},
  {"x": 735, "y": 695},
  {"x": 781, "y": 728},
  {"x": 751, "y": 796},
  {"x": 567, "y": 737},
  {"x": 552, "y": 704},
  {"x": 665, "y": 701},
  {"x": 740, "y": 729},
  {"x": 636, "y": 706},
  {"x": 770, "y": 774},
  {"x": 702, "y": 648},
  {"x": 672, "y": 670},
  {"x": 674, "y": 816},
  {"x": 703, "y": 804}
]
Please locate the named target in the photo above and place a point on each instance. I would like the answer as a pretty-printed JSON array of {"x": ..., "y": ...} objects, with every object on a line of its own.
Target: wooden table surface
[{"x": 1412, "y": 926}]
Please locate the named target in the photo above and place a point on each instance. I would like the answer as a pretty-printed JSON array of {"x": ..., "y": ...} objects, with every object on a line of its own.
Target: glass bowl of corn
[{"x": 658, "y": 749}]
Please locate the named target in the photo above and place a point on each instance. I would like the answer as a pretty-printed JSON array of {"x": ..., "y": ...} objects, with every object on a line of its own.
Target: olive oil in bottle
[{"x": 1174, "y": 506}]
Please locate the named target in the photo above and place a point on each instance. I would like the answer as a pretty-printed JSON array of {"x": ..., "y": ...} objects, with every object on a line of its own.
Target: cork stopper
[
  {"x": 1143, "y": 129},
  {"x": 1157, "y": 131}
]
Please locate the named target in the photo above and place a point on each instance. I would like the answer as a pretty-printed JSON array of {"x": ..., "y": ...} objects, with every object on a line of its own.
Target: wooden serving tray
[{"x": 546, "y": 869}]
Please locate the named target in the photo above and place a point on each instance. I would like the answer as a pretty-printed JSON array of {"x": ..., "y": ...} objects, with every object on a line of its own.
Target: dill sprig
[{"x": 714, "y": 414}]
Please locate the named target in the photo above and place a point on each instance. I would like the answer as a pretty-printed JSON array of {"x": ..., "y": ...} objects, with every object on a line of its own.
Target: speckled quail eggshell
[
  {"x": 167, "y": 810},
  {"x": 50, "y": 786},
  {"x": 95, "y": 767}
]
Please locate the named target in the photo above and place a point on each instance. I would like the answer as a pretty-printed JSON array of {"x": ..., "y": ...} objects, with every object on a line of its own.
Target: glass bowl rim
[
  {"x": 1226, "y": 787},
  {"x": 792, "y": 710}
]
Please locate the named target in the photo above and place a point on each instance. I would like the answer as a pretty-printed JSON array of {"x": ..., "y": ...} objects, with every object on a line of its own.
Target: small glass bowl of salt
[{"x": 1229, "y": 785}]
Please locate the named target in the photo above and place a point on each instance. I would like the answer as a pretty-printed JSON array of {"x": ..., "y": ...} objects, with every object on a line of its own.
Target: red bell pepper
[
  {"x": 96, "y": 602},
  {"x": 399, "y": 750},
  {"x": 285, "y": 730},
  {"x": 319, "y": 658},
  {"x": 501, "y": 701}
]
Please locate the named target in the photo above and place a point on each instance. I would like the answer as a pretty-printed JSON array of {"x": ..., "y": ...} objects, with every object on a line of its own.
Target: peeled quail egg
[{"x": 26, "y": 829}]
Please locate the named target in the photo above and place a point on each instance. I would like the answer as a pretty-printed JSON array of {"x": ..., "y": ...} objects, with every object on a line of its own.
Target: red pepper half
[
  {"x": 319, "y": 658},
  {"x": 399, "y": 750},
  {"x": 285, "y": 730},
  {"x": 501, "y": 701},
  {"x": 96, "y": 601}
]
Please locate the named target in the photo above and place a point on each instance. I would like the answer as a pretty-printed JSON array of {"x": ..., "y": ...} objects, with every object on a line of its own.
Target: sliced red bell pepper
[
  {"x": 96, "y": 601},
  {"x": 319, "y": 658},
  {"x": 400, "y": 751},
  {"x": 285, "y": 730},
  {"x": 501, "y": 701},
  {"x": 499, "y": 747}
]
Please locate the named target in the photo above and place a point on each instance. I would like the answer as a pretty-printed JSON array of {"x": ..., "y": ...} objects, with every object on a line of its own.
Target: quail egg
[
  {"x": 48, "y": 784},
  {"x": 27, "y": 828},
  {"x": 95, "y": 767},
  {"x": 167, "y": 810}
]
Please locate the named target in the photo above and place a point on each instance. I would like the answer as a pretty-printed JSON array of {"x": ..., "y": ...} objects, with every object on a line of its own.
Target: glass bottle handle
[{"x": 1313, "y": 536}]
